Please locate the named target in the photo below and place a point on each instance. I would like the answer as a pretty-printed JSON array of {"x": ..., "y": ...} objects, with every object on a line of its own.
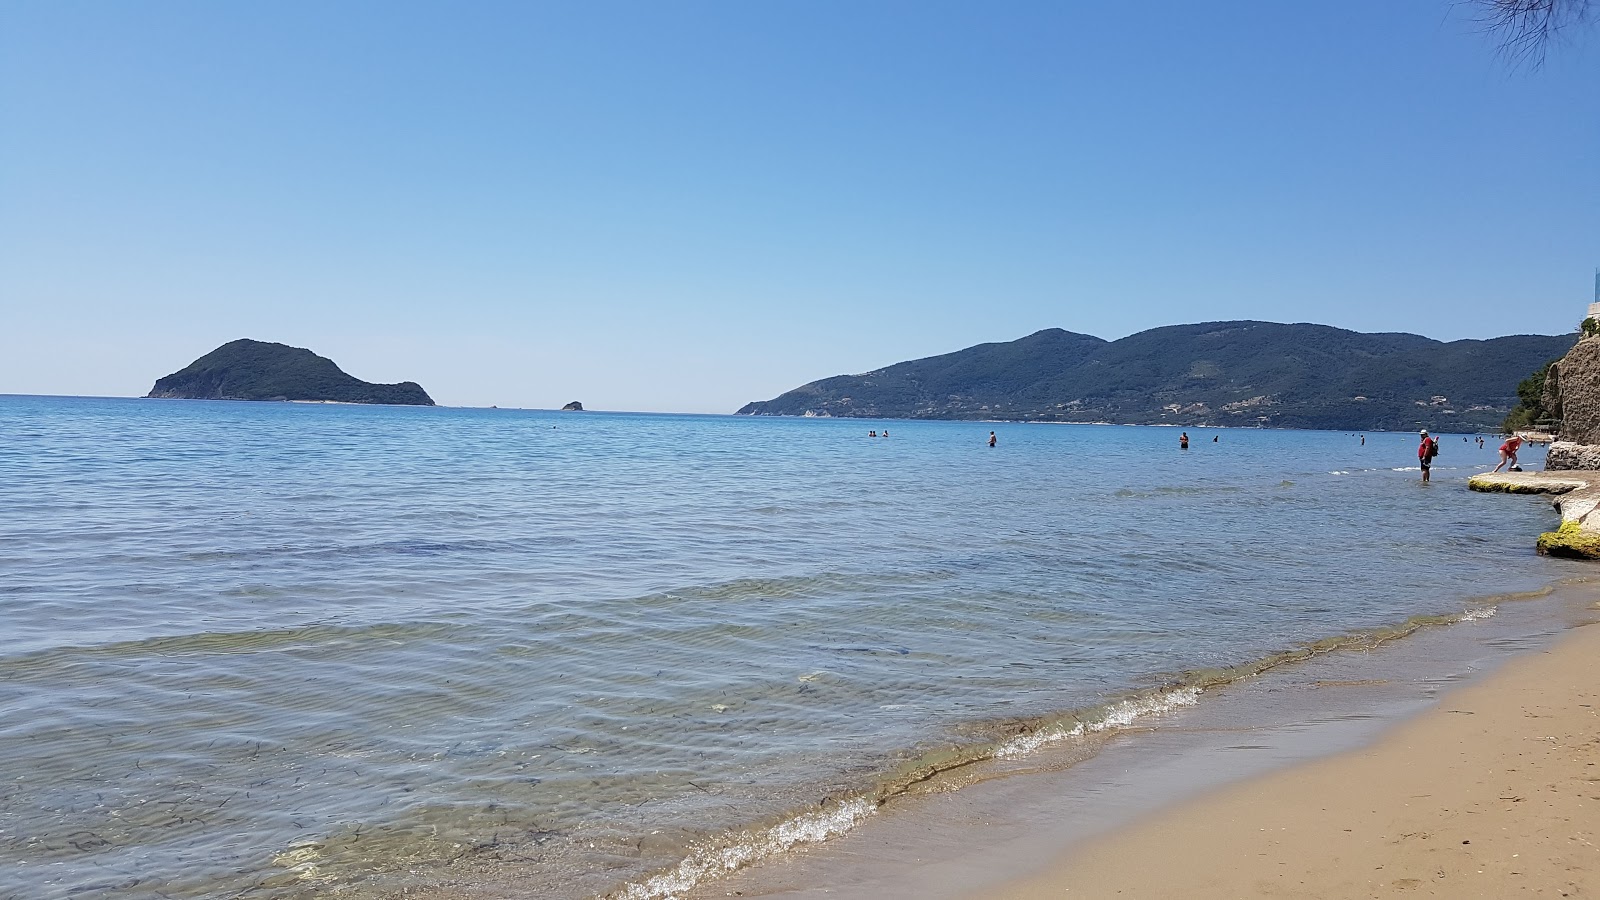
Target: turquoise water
[{"x": 283, "y": 649}]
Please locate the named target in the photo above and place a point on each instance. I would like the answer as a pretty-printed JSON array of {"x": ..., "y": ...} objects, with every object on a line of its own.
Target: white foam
[
  {"x": 1481, "y": 612},
  {"x": 709, "y": 862},
  {"x": 1118, "y": 715}
]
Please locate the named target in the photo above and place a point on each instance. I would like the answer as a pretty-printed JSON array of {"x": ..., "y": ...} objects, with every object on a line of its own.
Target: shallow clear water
[{"x": 299, "y": 648}]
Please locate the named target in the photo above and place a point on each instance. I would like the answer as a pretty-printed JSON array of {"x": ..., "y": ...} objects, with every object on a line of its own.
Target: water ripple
[{"x": 287, "y": 649}]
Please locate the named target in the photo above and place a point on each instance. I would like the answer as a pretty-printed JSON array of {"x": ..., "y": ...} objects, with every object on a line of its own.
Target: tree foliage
[
  {"x": 1530, "y": 410},
  {"x": 1526, "y": 29}
]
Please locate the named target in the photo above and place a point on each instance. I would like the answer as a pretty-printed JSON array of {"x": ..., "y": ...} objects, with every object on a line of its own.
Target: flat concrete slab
[{"x": 1534, "y": 482}]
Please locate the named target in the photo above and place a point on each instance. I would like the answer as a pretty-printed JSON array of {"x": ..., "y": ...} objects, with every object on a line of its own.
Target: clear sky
[{"x": 684, "y": 206}]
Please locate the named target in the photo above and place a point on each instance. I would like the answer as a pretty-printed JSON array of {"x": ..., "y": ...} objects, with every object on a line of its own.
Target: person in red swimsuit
[{"x": 1508, "y": 453}]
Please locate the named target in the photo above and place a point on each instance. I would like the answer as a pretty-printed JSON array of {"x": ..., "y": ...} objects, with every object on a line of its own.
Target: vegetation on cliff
[
  {"x": 1214, "y": 373},
  {"x": 258, "y": 370},
  {"x": 1530, "y": 409}
]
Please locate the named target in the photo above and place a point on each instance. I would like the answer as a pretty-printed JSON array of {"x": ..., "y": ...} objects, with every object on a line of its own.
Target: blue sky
[{"x": 685, "y": 206}]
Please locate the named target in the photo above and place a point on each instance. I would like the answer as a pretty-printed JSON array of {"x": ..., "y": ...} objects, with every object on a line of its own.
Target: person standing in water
[
  {"x": 1183, "y": 441},
  {"x": 991, "y": 439},
  {"x": 1426, "y": 451}
]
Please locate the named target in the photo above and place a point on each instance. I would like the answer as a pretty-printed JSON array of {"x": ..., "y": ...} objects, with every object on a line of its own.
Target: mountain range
[{"x": 1213, "y": 373}]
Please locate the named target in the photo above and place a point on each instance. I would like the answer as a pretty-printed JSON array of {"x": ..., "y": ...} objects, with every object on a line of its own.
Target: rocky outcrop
[
  {"x": 574, "y": 406},
  {"x": 1567, "y": 456},
  {"x": 1571, "y": 395},
  {"x": 1576, "y": 392},
  {"x": 259, "y": 370},
  {"x": 1571, "y": 539},
  {"x": 1550, "y": 397},
  {"x": 1572, "y": 469},
  {"x": 1577, "y": 498}
]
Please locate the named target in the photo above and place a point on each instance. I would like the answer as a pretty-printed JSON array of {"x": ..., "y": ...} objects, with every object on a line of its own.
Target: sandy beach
[{"x": 1493, "y": 793}]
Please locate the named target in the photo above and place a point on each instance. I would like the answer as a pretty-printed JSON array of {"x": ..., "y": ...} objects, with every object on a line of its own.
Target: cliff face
[
  {"x": 1577, "y": 392},
  {"x": 258, "y": 370},
  {"x": 1550, "y": 397}
]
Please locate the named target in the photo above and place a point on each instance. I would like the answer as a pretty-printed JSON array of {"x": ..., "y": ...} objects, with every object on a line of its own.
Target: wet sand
[
  {"x": 1494, "y": 792},
  {"x": 976, "y": 833}
]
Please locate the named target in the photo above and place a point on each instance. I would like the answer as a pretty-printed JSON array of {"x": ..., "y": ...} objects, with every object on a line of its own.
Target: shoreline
[
  {"x": 977, "y": 834},
  {"x": 794, "y": 649},
  {"x": 1577, "y": 496},
  {"x": 1493, "y": 791}
]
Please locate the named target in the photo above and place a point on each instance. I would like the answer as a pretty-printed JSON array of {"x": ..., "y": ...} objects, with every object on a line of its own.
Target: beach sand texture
[{"x": 1494, "y": 793}]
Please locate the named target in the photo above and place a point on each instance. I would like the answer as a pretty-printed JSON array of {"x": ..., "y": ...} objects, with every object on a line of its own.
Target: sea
[{"x": 276, "y": 650}]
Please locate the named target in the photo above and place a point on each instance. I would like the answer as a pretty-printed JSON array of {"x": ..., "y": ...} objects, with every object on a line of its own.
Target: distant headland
[
  {"x": 258, "y": 370},
  {"x": 1212, "y": 373}
]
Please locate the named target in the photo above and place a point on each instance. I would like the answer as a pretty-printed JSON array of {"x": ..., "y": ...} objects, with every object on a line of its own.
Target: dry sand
[{"x": 1494, "y": 793}]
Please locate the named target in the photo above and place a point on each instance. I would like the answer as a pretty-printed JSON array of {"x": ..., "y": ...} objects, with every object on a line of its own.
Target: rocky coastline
[
  {"x": 1576, "y": 496},
  {"x": 1571, "y": 394}
]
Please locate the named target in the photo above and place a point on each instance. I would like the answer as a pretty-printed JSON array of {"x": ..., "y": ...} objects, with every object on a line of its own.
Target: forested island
[
  {"x": 258, "y": 370},
  {"x": 1213, "y": 373}
]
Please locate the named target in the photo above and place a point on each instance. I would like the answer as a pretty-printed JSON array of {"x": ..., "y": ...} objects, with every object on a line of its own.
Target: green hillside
[
  {"x": 257, "y": 370},
  {"x": 1214, "y": 373}
]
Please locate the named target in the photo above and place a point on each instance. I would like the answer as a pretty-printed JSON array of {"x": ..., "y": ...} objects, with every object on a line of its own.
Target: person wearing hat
[
  {"x": 1508, "y": 453},
  {"x": 1426, "y": 451}
]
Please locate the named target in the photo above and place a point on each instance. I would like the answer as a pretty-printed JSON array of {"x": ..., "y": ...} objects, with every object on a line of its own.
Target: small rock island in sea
[
  {"x": 258, "y": 370},
  {"x": 574, "y": 406}
]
